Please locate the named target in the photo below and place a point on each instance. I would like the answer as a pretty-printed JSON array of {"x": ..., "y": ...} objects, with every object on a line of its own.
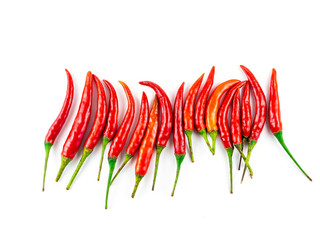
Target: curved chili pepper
[
  {"x": 165, "y": 125},
  {"x": 245, "y": 117},
  {"x": 260, "y": 116},
  {"x": 188, "y": 111},
  {"x": 213, "y": 107},
  {"x": 97, "y": 127},
  {"x": 275, "y": 117},
  {"x": 56, "y": 126},
  {"x": 199, "y": 114},
  {"x": 121, "y": 136},
  {"x": 80, "y": 123},
  {"x": 138, "y": 133},
  {"x": 223, "y": 126},
  {"x": 112, "y": 121},
  {"x": 147, "y": 145},
  {"x": 179, "y": 140}
]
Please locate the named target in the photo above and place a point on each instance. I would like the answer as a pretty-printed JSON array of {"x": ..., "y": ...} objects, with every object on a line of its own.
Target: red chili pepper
[
  {"x": 199, "y": 115},
  {"x": 56, "y": 126},
  {"x": 97, "y": 128},
  {"x": 121, "y": 136},
  {"x": 213, "y": 107},
  {"x": 275, "y": 117},
  {"x": 223, "y": 126},
  {"x": 260, "y": 116},
  {"x": 235, "y": 125},
  {"x": 179, "y": 140},
  {"x": 188, "y": 111},
  {"x": 138, "y": 133},
  {"x": 165, "y": 125},
  {"x": 245, "y": 117},
  {"x": 246, "y": 112},
  {"x": 147, "y": 145},
  {"x": 112, "y": 121},
  {"x": 80, "y": 123}
]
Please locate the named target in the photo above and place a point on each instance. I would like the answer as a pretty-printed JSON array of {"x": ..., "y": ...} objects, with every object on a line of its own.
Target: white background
[{"x": 166, "y": 42}]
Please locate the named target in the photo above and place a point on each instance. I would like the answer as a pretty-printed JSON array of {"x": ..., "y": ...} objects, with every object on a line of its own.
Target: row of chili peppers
[{"x": 204, "y": 114}]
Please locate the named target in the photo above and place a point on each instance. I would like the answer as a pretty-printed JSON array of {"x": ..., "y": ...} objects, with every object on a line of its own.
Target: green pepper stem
[
  {"x": 238, "y": 147},
  {"x": 126, "y": 160},
  {"x": 112, "y": 163},
  {"x": 213, "y": 136},
  {"x": 179, "y": 159},
  {"x": 85, "y": 154},
  {"x": 251, "y": 144},
  {"x": 64, "y": 162},
  {"x": 203, "y": 133},
  {"x": 47, "y": 147},
  {"x": 159, "y": 150},
  {"x": 105, "y": 142},
  {"x": 279, "y": 137},
  {"x": 230, "y": 152},
  {"x": 189, "y": 133},
  {"x": 242, "y": 145},
  {"x": 138, "y": 179}
]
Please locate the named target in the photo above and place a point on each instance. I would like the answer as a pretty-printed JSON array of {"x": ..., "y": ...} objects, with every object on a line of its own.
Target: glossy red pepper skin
[
  {"x": 188, "y": 111},
  {"x": 121, "y": 136},
  {"x": 100, "y": 118},
  {"x": 141, "y": 127},
  {"x": 80, "y": 123},
  {"x": 97, "y": 127},
  {"x": 235, "y": 124},
  {"x": 261, "y": 105},
  {"x": 56, "y": 126},
  {"x": 166, "y": 113},
  {"x": 179, "y": 141},
  {"x": 246, "y": 120},
  {"x": 165, "y": 125},
  {"x": 260, "y": 116},
  {"x": 199, "y": 114},
  {"x": 275, "y": 122},
  {"x": 138, "y": 133},
  {"x": 224, "y": 128},
  {"x": 112, "y": 122},
  {"x": 223, "y": 116},
  {"x": 147, "y": 145}
]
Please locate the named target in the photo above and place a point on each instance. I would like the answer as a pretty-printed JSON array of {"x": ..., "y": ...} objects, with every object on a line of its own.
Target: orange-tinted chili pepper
[
  {"x": 213, "y": 107},
  {"x": 147, "y": 145},
  {"x": 165, "y": 125},
  {"x": 179, "y": 141},
  {"x": 121, "y": 136},
  {"x": 138, "y": 133},
  {"x": 80, "y": 123},
  {"x": 56, "y": 126},
  {"x": 112, "y": 121},
  {"x": 188, "y": 111},
  {"x": 275, "y": 117},
  {"x": 199, "y": 114},
  {"x": 223, "y": 126},
  {"x": 97, "y": 127},
  {"x": 260, "y": 116},
  {"x": 245, "y": 117}
]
